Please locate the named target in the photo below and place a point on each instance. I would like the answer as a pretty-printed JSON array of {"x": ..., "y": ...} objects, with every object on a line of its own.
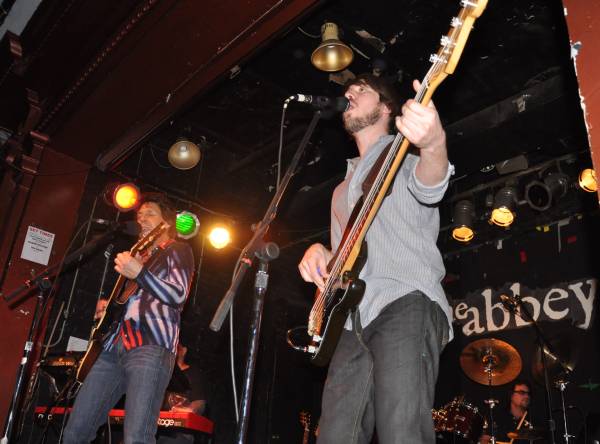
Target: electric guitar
[
  {"x": 343, "y": 290},
  {"x": 305, "y": 421},
  {"x": 115, "y": 302}
]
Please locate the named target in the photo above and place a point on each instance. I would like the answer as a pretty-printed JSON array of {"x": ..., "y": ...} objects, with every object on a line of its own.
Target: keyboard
[{"x": 166, "y": 419}]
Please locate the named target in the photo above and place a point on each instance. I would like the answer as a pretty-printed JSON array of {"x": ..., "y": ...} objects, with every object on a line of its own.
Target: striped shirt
[
  {"x": 153, "y": 312},
  {"x": 402, "y": 251}
]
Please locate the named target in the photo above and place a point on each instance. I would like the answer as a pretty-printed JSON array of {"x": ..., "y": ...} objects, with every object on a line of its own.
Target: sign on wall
[
  {"x": 482, "y": 311},
  {"x": 37, "y": 245}
]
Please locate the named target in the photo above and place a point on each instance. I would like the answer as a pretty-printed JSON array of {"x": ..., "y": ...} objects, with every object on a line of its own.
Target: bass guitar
[
  {"x": 343, "y": 290},
  {"x": 114, "y": 306}
]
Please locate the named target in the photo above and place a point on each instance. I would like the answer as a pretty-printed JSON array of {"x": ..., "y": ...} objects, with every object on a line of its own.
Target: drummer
[{"x": 514, "y": 418}]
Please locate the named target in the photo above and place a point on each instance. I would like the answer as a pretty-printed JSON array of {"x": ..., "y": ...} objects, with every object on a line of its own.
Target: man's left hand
[
  {"x": 128, "y": 265},
  {"x": 421, "y": 124}
]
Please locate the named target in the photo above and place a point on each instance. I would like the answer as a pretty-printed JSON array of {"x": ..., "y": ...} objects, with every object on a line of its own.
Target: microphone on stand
[
  {"x": 336, "y": 104},
  {"x": 510, "y": 302},
  {"x": 268, "y": 251}
]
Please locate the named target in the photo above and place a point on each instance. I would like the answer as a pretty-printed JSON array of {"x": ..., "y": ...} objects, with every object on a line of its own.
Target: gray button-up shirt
[{"x": 402, "y": 251}]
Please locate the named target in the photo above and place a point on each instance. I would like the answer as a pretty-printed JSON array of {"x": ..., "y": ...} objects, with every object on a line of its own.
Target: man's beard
[{"x": 354, "y": 124}]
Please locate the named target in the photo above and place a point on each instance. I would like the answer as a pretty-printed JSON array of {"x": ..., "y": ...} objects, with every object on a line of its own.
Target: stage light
[
  {"x": 184, "y": 154},
  {"x": 187, "y": 225},
  {"x": 125, "y": 197},
  {"x": 503, "y": 210},
  {"x": 541, "y": 194},
  {"x": 332, "y": 54},
  {"x": 587, "y": 180},
  {"x": 219, "y": 237},
  {"x": 463, "y": 218}
]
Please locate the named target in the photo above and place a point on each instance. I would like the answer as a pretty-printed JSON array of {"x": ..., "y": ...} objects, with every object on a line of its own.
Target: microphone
[
  {"x": 337, "y": 104},
  {"x": 129, "y": 227},
  {"x": 268, "y": 251},
  {"x": 509, "y": 302},
  {"x": 104, "y": 222}
]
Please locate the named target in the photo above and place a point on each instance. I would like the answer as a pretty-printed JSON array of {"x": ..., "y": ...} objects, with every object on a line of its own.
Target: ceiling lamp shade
[
  {"x": 332, "y": 54},
  {"x": 462, "y": 221},
  {"x": 587, "y": 180},
  {"x": 504, "y": 204},
  {"x": 184, "y": 154}
]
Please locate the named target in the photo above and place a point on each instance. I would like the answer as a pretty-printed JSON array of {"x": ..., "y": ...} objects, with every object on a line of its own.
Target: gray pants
[{"x": 384, "y": 376}]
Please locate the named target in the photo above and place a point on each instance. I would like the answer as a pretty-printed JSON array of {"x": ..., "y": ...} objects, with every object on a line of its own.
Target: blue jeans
[
  {"x": 142, "y": 374},
  {"x": 384, "y": 376}
]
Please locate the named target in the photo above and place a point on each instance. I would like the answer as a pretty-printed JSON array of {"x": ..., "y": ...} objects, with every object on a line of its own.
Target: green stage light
[{"x": 187, "y": 224}]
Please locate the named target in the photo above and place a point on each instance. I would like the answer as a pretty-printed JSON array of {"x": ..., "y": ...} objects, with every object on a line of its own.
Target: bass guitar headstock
[{"x": 452, "y": 44}]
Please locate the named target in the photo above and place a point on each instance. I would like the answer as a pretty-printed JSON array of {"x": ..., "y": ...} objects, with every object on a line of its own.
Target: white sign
[
  {"x": 483, "y": 312},
  {"x": 76, "y": 344},
  {"x": 37, "y": 245}
]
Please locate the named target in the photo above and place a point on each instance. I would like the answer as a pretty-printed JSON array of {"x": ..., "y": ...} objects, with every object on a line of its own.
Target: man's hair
[
  {"x": 167, "y": 209},
  {"x": 517, "y": 382},
  {"x": 384, "y": 87},
  {"x": 520, "y": 382}
]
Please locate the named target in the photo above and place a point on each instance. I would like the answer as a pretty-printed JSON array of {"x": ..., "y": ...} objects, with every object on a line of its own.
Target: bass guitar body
[
  {"x": 332, "y": 317},
  {"x": 343, "y": 303}
]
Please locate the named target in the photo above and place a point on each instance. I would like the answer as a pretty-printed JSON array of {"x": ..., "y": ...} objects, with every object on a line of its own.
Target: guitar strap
[
  {"x": 375, "y": 169},
  {"x": 370, "y": 179}
]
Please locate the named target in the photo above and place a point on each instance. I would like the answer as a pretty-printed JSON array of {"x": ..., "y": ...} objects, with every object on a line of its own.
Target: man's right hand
[{"x": 313, "y": 266}]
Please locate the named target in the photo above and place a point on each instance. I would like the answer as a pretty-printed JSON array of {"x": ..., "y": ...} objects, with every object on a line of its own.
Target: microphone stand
[
  {"x": 43, "y": 284},
  {"x": 12, "y": 419},
  {"x": 257, "y": 247},
  {"x": 544, "y": 345},
  {"x": 260, "y": 289},
  {"x": 489, "y": 364}
]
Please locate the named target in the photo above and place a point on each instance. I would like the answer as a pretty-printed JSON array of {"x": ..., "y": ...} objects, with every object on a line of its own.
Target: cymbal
[
  {"x": 500, "y": 357},
  {"x": 566, "y": 347},
  {"x": 527, "y": 434}
]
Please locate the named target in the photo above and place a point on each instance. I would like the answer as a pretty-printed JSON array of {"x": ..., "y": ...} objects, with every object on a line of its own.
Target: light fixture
[
  {"x": 123, "y": 196},
  {"x": 187, "y": 225},
  {"x": 503, "y": 208},
  {"x": 332, "y": 54},
  {"x": 219, "y": 237},
  {"x": 462, "y": 221},
  {"x": 587, "y": 180},
  {"x": 541, "y": 194},
  {"x": 184, "y": 154}
]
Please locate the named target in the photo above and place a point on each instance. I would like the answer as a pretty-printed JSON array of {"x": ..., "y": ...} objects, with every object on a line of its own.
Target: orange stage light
[{"x": 125, "y": 197}]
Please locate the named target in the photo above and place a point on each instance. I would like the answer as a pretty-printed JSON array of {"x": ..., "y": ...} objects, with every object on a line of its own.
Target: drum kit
[{"x": 490, "y": 362}]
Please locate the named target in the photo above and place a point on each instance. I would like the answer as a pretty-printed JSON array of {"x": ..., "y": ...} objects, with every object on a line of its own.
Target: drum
[{"x": 458, "y": 419}]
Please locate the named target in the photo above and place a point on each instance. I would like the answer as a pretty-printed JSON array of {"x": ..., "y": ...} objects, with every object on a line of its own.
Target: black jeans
[{"x": 384, "y": 376}]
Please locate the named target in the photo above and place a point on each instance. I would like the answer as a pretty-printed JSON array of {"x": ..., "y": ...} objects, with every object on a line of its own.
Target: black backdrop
[{"x": 544, "y": 259}]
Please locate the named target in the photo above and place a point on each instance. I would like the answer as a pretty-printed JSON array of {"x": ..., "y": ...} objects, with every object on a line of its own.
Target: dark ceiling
[{"x": 514, "y": 93}]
